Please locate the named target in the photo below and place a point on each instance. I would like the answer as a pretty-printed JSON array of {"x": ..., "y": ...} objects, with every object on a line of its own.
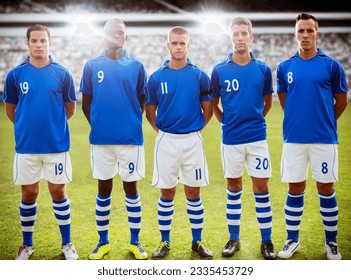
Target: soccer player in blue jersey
[
  {"x": 312, "y": 92},
  {"x": 178, "y": 107},
  {"x": 39, "y": 98},
  {"x": 113, "y": 87},
  {"x": 243, "y": 84}
]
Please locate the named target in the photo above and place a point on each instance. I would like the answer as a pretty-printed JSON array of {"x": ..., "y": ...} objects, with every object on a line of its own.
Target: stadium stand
[{"x": 207, "y": 49}]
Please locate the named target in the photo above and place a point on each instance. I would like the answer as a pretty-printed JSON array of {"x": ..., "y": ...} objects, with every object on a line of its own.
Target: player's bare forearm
[
  {"x": 86, "y": 102},
  {"x": 70, "y": 109},
  {"x": 268, "y": 103},
  {"x": 10, "y": 111},
  {"x": 141, "y": 99},
  {"x": 340, "y": 103},
  {"x": 217, "y": 110},
  {"x": 281, "y": 98},
  {"x": 151, "y": 115},
  {"x": 207, "y": 110}
]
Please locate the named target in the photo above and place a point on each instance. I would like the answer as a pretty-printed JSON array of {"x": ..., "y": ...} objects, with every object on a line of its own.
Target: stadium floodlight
[
  {"x": 83, "y": 28},
  {"x": 84, "y": 24},
  {"x": 213, "y": 27},
  {"x": 209, "y": 17}
]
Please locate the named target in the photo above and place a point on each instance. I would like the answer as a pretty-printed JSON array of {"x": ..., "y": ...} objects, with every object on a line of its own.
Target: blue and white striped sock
[
  {"x": 264, "y": 215},
  {"x": 62, "y": 211},
  {"x": 293, "y": 213},
  {"x": 195, "y": 212},
  {"x": 329, "y": 212},
  {"x": 233, "y": 213},
  {"x": 28, "y": 214},
  {"x": 102, "y": 215},
  {"x": 165, "y": 215},
  {"x": 133, "y": 206}
]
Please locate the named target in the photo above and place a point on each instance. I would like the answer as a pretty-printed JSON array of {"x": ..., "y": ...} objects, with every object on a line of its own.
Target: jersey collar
[
  {"x": 230, "y": 59},
  {"x": 166, "y": 62},
  {"x": 125, "y": 56},
  {"x": 52, "y": 60},
  {"x": 319, "y": 53}
]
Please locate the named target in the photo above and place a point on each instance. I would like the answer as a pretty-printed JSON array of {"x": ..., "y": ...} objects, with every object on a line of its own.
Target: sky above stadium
[{"x": 175, "y": 5}]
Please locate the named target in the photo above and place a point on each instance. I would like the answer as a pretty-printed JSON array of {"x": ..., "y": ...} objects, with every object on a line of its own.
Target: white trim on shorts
[
  {"x": 255, "y": 156},
  {"x": 31, "y": 168},
  {"x": 296, "y": 159},
  {"x": 126, "y": 160},
  {"x": 179, "y": 158}
]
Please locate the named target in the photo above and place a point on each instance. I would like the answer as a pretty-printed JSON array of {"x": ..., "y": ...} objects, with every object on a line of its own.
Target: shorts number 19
[{"x": 58, "y": 168}]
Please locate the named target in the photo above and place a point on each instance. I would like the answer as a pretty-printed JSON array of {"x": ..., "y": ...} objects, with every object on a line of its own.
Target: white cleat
[
  {"x": 24, "y": 252},
  {"x": 331, "y": 249},
  {"x": 290, "y": 248},
  {"x": 69, "y": 251}
]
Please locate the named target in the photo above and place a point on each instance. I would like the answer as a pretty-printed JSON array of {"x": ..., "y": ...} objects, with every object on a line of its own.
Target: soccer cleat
[
  {"x": 290, "y": 248},
  {"x": 100, "y": 251},
  {"x": 332, "y": 251},
  {"x": 267, "y": 250},
  {"x": 162, "y": 250},
  {"x": 69, "y": 251},
  {"x": 24, "y": 252},
  {"x": 138, "y": 251},
  {"x": 200, "y": 249},
  {"x": 230, "y": 248}
]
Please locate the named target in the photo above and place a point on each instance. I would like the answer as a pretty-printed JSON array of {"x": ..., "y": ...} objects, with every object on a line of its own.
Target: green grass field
[{"x": 82, "y": 193}]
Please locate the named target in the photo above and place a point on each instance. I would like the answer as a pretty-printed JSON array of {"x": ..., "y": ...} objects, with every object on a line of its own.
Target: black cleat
[
  {"x": 162, "y": 250},
  {"x": 267, "y": 250},
  {"x": 200, "y": 249},
  {"x": 230, "y": 248}
]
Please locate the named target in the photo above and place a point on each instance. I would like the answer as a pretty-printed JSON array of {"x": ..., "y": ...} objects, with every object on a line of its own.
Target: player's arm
[
  {"x": 141, "y": 99},
  {"x": 268, "y": 103},
  {"x": 151, "y": 115},
  {"x": 217, "y": 110},
  {"x": 10, "y": 111},
  {"x": 86, "y": 102},
  {"x": 340, "y": 103},
  {"x": 142, "y": 88},
  {"x": 207, "y": 110},
  {"x": 281, "y": 98},
  {"x": 70, "y": 109}
]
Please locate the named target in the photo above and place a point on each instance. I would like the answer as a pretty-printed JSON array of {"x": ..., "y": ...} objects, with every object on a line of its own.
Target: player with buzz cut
[
  {"x": 243, "y": 84},
  {"x": 113, "y": 87},
  {"x": 178, "y": 107},
  {"x": 39, "y": 99},
  {"x": 312, "y": 92}
]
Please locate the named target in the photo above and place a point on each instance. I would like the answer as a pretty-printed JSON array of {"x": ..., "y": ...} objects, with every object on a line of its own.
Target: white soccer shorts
[
  {"x": 31, "y": 168},
  {"x": 254, "y": 155},
  {"x": 126, "y": 160},
  {"x": 296, "y": 159},
  {"x": 179, "y": 157}
]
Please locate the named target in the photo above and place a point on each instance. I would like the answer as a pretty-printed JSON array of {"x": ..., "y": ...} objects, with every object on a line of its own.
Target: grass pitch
[{"x": 82, "y": 193}]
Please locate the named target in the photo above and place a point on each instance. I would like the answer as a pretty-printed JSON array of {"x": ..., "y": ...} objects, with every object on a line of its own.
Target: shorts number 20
[{"x": 262, "y": 164}]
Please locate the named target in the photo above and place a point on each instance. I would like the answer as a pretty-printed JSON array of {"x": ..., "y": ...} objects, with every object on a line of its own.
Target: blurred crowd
[{"x": 205, "y": 50}]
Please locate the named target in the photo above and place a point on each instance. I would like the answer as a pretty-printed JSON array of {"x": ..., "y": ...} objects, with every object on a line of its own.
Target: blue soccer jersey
[
  {"x": 177, "y": 94},
  {"x": 115, "y": 113},
  {"x": 41, "y": 125},
  {"x": 242, "y": 89},
  {"x": 310, "y": 86}
]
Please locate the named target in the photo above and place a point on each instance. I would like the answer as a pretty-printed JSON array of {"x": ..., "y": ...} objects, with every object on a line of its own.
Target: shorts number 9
[{"x": 131, "y": 167}]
